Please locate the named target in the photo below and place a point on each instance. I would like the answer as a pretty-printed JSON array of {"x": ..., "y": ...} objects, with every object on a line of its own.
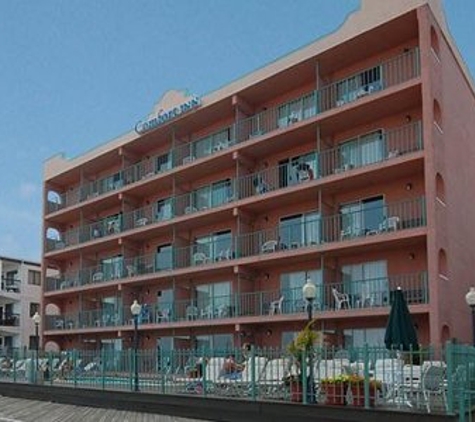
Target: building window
[
  {"x": 362, "y": 151},
  {"x": 34, "y": 277},
  {"x": 300, "y": 230},
  {"x": 367, "y": 283},
  {"x": 34, "y": 308},
  {"x": 362, "y": 217},
  {"x": 163, "y": 163}
]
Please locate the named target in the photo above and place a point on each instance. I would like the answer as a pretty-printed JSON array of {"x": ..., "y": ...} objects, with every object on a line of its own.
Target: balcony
[
  {"x": 10, "y": 320},
  {"x": 307, "y": 236},
  {"x": 363, "y": 295},
  {"x": 365, "y": 150},
  {"x": 378, "y": 78},
  {"x": 11, "y": 285}
]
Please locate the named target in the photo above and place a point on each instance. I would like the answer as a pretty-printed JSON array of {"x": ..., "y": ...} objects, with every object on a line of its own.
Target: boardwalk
[{"x": 21, "y": 410}]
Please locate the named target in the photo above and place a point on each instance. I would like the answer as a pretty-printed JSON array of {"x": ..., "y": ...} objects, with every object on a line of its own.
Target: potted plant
[
  {"x": 356, "y": 385},
  {"x": 302, "y": 346},
  {"x": 335, "y": 389}
]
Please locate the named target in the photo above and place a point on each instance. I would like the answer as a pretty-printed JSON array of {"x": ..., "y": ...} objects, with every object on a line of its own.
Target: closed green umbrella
[{"x": 400, "y": 331}]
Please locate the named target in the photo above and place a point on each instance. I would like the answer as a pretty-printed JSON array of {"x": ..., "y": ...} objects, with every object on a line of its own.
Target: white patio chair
[
  {"x": 275, "y": 307},
  {"x": 389, "y": 372},
  {"x": 163, "y": 315},
  {"x": 191, "y": 312},
  {"x": 389, "y": 224},
  {"x": 341, "y": 299},
  {"x": 272, "y": 381},
  {"x": 269, "y": 246},
  {"x": 99, "y": 276},
  {"x": 433, "y": 384},
  {"x": 200, "y": 258},
  {"x": 141, "y": 222}
]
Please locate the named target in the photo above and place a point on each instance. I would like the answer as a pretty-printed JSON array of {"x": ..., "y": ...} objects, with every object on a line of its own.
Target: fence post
[
  {"x": 253, "y": 373},
  {"x": 103, "y": 367},
  {"x": 303, "y": 372},
  {"x": 131, "y": 369},
  {"x": 449, "y": 357},
  {"x": 367, "y": 391}
]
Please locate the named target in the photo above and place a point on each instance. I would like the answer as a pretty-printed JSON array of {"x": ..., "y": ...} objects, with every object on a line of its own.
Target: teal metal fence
[{"x": 431, "y": 380}]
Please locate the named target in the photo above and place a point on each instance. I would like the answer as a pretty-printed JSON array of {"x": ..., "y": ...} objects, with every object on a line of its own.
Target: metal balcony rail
[
  {"x": 353, "y": 153},
  {"x": 389, "y": 73},
  {"x": 311, "y": 233},
  {"x": 11, "y": 285},
  {"x": 10, "y": 320},
  {"x": 362, "y": 294}
]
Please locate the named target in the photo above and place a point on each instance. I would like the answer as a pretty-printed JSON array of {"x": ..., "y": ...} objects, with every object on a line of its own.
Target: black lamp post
[
  {"x": 37, "y": 319},
  {"x": 470, "y": 298},
  {"x": 136, "y": 308},
  {"x": 309, "y": 291}
]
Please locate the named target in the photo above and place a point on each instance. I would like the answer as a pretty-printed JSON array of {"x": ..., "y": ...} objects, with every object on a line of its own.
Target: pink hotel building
[{"x": 348, "y": 162}]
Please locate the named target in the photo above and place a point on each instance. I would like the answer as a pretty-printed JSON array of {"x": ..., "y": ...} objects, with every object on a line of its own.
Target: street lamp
[
  {"x": 136, "y": 308},
  {"x": 309, "y": 291},
  {"x": 37, "y": 319},
  {"x": 470, "y": 299}
]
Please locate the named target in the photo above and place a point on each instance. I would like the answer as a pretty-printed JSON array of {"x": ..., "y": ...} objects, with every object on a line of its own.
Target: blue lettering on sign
[{"x": 165, "y": 116}]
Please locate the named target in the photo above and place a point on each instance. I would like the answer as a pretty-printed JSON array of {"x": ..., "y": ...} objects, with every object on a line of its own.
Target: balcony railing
[
  {"x": 11, "y": 285},
  {"x": 354, "y": 153},
  {"x": 10, "y": 320},
  {"x": 392, "y": 72},
  {"x": 362, "y": 294},
  {"x": 312, "y": 233}
]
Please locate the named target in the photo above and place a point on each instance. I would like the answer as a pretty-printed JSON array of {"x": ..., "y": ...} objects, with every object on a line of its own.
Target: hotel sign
[{"x": 164, "y": 116}]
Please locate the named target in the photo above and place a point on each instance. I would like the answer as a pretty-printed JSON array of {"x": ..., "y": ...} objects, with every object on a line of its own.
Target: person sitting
[{"x": 231, "y": 369}]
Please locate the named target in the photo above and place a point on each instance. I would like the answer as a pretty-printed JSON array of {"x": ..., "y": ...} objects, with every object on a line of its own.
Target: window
[
  {"x": 296, "y": 110},
  {"x": 107, "y": 225},
  {"x": 362, "y": 151},
  {"x": 112, "y": 267},
  {"x": 291, "y": 285},
  {"x": 217, "y": 343},
  {"x": 300, "y": 230},
  {"x": 163, "y": 163},
  {"x": 359, "y": 85},
  {"x": 360, "y": 337},
  {"x": 214, "y": 195},
  {"x": 367, "y": 283},
  {"x": 287, "y": 338},
  {"x": 108, "y": 183},
  {"x": 362, "y": 217},
  {"x": 164, "y": 209},
  {"x": 213, "y": 247},
  {"x": 212, "y": 143},
  {"x": 297, "y": 169},
  {"x": 213, "y": 299},
  {"x": 164, "y": 258},
  {"x": 34, "y": 308}
]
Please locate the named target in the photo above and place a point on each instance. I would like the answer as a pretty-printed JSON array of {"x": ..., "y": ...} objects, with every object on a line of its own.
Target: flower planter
[
  {"x": 335, "y": 393},
  {"x": 357, "y": 395},
  {"x": 296, "y": 391}
]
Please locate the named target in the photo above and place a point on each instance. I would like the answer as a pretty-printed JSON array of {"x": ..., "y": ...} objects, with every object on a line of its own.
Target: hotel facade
[
  {"x": 20, "y": 296},
  {"x": 348, "y": 162}
]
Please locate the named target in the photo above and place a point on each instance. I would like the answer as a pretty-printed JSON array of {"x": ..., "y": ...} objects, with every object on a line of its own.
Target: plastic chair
[
  {"x": 275, "y": 307},
  {"x": 341, "y": 299}
]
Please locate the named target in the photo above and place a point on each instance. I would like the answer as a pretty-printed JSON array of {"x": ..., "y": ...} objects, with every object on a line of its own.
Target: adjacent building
[
  {"x": 20, "y": 296},
  {"x": 348, "y": 163}
]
